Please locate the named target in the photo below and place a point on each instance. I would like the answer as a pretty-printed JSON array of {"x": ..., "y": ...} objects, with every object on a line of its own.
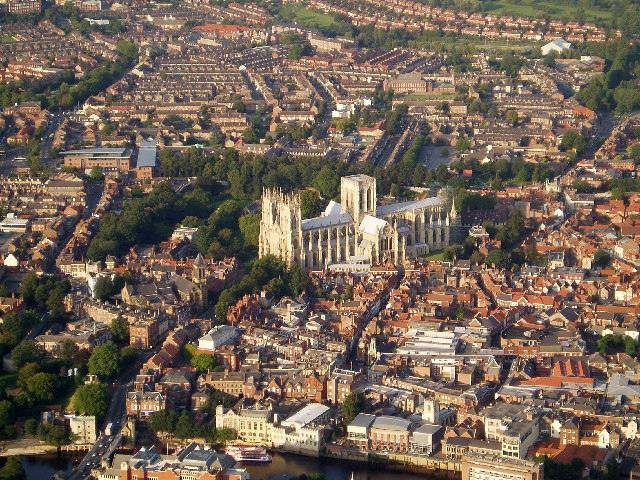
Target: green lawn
[
  {"x": 538, "y": 8},
  {"x": 307, "y": 17},
  {"x": 435, "y": 256},
  {"x": 5, "y": 38}
]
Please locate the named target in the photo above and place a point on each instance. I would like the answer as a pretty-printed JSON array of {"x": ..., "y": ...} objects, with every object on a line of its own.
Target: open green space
[
  {"x": 309, "y": 18},
  {"x": 435, "y": 256},
  {"x": 548, "y": 9}
]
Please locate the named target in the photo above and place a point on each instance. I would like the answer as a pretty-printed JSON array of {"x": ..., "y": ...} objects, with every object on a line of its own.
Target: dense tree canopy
[
  {"x": 105, "y": 361},
  {"x": 91, "y": 399}
]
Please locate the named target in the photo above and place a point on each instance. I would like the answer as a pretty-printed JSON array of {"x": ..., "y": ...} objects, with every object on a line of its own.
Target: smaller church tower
[
  {"x": 199, "y": 280},
  {"x": 431, "y": 411}
]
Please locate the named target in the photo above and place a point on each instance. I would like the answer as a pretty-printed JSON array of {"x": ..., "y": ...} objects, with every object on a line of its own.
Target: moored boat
[{"x": 247, "y": 454}]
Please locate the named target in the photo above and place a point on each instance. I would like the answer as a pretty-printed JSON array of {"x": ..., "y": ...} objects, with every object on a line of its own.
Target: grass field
[
  {"x": 435, "y": 256},
  {"x": 307, "y": 17},
  {"x": 5, "y": 38},
  {"x": 539, "y": 8}
]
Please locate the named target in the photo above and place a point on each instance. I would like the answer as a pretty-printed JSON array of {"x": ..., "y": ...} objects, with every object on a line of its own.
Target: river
[{"x": 282, "y": 467}]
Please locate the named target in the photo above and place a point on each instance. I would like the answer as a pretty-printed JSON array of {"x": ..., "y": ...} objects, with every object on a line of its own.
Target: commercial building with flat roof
[
  {"x": 312, "y": 414},
  {"x": 390, "y": 434},
  {"x": 490, "y": 467},
  {"x": 109, "y": 159},
  {"x": 147, "y": 160}
]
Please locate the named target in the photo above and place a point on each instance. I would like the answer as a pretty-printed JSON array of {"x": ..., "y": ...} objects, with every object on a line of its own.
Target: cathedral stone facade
[{"x": 354, "y": 231}]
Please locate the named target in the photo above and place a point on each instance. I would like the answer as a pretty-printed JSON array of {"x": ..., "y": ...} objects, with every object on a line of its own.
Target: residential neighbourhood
[{"x": 320, "y": 240}]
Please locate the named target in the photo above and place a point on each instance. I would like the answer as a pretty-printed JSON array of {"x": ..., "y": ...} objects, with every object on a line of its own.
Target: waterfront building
[
  {"x": 491, "y": 467},
  {"x": 84, "y": 429},
  {"x": 194, "y": 462}
]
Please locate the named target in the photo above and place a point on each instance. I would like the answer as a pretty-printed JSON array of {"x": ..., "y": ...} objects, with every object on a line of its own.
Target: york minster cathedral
[{"x": 356, "y": 231}]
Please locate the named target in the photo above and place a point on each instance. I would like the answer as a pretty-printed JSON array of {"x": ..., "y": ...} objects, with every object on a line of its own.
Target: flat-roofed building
[
  {"x": 109, "y": 159},
  {"x": 147, "y": 160},
  {"x": 426, "y": 439},
  {"x": 14, "y": 224},
  {"x": 390, "y": 434},
  {"x": 490, "y": 467},
  {"x": 358, "y": 430},
  {"x": 312, "y": 414}
]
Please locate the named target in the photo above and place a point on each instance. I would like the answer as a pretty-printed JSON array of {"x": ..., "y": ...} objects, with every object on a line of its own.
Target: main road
[{"x": 107, "y": 443}]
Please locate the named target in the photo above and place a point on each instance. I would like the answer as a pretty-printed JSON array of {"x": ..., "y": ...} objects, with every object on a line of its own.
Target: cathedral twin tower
[{"x": 355, "y": 231}]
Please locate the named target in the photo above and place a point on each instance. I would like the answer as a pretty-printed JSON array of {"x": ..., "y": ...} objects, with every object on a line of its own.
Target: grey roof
[
  {"x": 329, "y": 220},
  {"x": 307, "y": 414},
  {"x": 363, "y": 420},
  {"x": 100, "y": 152},
  {"x": 428, "y": 429},
  {"x": 407, "y": 206},
  {"x": 147, "y": 153},
  {"x": 385, "y": 422}
]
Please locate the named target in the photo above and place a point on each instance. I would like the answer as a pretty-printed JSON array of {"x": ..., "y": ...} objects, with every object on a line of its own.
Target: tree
[
  {"x": 511, "y": 64},
  {"x": 572, "y": 140},
  {"x": 55, "y": 434},
  {"x": 96, "y": 174},
  {"x": 6, "y": 413},
  {"x": 561, "y": 471},
  {"x": 463, "y": 144},
  {"x": 311, "y": 204},
  {"x": 512, "y": 117},
  {"x": 105, "y": 361},
  {"x": 184, "y": 426},
  {"x": 327, "y": 182},
  {"x": 27, "y": 371},
  {"x": 103, "y": 288},
  {"x": 91, "y": 399},
  {"x": 203, "y": 362},
  {"x": 163, "y": 421},
  {"x": 498, "y": 258},
  {"x": 25, "y": 352},
  {"x": 120, "y": 330},
  {"x": 12, "y": 469},
  {"x": 42, "y": 387},
  {"x": 299, "y": 281},
  {"x": 353, "y": 404},
  {"x": 601, "y": 259},
  {"x": 249, "y": 226}
]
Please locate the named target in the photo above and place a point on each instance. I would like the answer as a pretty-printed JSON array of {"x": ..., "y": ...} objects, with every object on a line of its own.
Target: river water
[{"x": 282, "y": 467}]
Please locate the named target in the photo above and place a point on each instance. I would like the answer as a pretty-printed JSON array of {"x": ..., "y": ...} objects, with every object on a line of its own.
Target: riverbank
[
  {"x": 25, "y": 446},
  {"x": 282, "y": 467}
]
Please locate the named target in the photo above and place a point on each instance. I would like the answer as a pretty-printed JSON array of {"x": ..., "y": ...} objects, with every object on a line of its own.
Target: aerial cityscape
[{"x": 319, "y": 239}]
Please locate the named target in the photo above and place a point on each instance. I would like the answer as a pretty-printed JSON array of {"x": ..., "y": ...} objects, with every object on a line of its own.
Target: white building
[
  {"x": 217, "y": 336},
  {"x": 557, "y": 45},
  {"x": 429, "y": 342},
  {"x": 11, "y": 223},
  {"x": 303, "y": 432},
  {"x": 515, "y": 426}
]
